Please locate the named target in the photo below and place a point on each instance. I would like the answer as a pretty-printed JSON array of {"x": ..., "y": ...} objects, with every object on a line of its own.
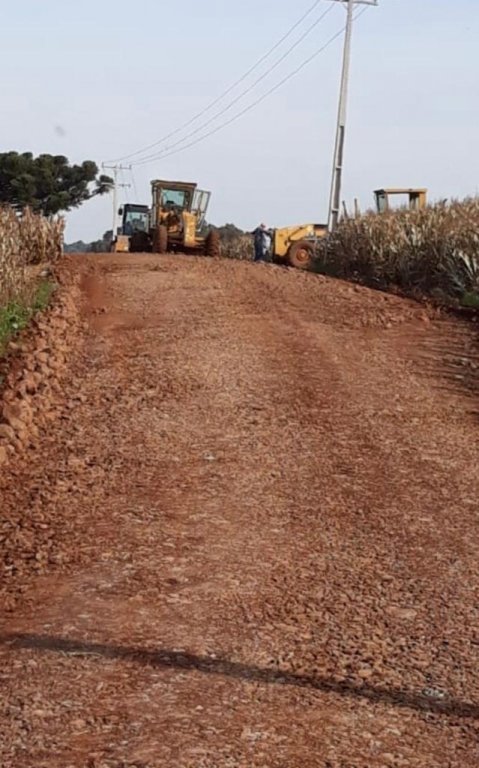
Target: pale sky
[{"x": 98, "y": 79}]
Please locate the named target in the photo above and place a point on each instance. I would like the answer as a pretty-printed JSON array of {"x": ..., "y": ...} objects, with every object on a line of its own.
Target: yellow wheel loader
[{"x": 296, "y": 245}]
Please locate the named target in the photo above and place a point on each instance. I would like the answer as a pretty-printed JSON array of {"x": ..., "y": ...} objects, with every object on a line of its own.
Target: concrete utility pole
[
  {"x": 116, "y": 186},
  {"x": 335, "y": 199}
]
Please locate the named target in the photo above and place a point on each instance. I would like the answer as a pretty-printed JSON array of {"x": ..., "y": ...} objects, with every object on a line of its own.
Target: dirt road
[{"x": 259, "y": 508}]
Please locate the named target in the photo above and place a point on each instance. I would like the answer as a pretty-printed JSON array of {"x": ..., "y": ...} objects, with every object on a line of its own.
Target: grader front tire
[{"x": 161, "y": 240}]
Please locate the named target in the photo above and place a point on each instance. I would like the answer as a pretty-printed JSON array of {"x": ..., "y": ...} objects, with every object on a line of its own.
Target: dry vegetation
[
  {"x": 433, "y": 252},
  {"x": 238, "y": 247},
  {"x": 235, "y": 243},
  {"x": 25, "y": 241}
]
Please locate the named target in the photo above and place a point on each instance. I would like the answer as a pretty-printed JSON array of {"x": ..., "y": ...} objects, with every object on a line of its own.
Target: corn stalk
[
  {"x": 25, "y": 240},
  {"x": 434, "y": 251}
]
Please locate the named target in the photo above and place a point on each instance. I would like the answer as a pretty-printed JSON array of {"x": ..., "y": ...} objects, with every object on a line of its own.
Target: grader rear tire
[
  {"x": 212, "y": 244},
  {"x": 301, "y": 255},
  {"x": 161, "y": 240}
]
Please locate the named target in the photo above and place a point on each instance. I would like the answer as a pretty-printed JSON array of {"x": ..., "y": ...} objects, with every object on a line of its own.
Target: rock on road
[{"x": 261, "y": 525}]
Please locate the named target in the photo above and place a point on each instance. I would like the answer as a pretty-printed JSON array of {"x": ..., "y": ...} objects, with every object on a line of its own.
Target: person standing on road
[{"x": 262, "y": 243}]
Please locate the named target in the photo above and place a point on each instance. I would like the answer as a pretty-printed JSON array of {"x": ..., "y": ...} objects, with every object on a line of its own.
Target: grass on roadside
[
  {"x": 470, "y": 300},
  {"x": 16, "y": 315}
]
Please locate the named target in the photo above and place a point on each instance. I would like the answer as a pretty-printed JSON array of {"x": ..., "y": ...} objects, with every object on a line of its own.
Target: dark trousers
[{"x": 259, "y": 254}]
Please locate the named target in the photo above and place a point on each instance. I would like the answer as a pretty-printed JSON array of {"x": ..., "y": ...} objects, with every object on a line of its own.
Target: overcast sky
[{"x": 98, "y": 79}]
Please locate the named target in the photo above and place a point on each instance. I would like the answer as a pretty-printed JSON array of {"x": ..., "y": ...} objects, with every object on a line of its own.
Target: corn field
[
  {"x": 434, "y": 251},
  {"x": 239, "y": 247},
  {"x": 25, "y": 240}
]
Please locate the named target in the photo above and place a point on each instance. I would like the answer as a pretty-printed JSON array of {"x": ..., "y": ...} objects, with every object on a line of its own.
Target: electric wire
[
  {"x": 229, "y": 90},
  {"x": 250, "y": 88},
  {"x": 257, "y": 102}
]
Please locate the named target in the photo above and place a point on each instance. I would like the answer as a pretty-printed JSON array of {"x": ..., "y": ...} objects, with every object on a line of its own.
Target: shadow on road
[{"x": 222, "y": 667}]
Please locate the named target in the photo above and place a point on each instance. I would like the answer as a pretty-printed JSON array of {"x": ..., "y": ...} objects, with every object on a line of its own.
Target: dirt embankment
[{"x": 34, "y": 370}]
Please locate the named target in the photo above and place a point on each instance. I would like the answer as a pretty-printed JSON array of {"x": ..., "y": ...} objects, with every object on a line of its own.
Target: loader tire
[
  {"x": 301, "y": 255},
  {"x": 161, "y": 239},
  {"x": 212, "y": 244}
]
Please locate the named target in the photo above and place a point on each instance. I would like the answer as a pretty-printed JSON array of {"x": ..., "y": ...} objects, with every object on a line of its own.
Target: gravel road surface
[{"x": 250, "y": 537}]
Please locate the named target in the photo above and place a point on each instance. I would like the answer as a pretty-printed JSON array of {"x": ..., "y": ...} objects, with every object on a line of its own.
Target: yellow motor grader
[{"x": 177, "y": 221}]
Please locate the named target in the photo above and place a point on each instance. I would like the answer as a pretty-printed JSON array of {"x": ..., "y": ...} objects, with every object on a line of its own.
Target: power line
[
  {"x": 164, "y": 154},
  {"x": 225, "y": 93},
  {"x": 250, "y": 88}
]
